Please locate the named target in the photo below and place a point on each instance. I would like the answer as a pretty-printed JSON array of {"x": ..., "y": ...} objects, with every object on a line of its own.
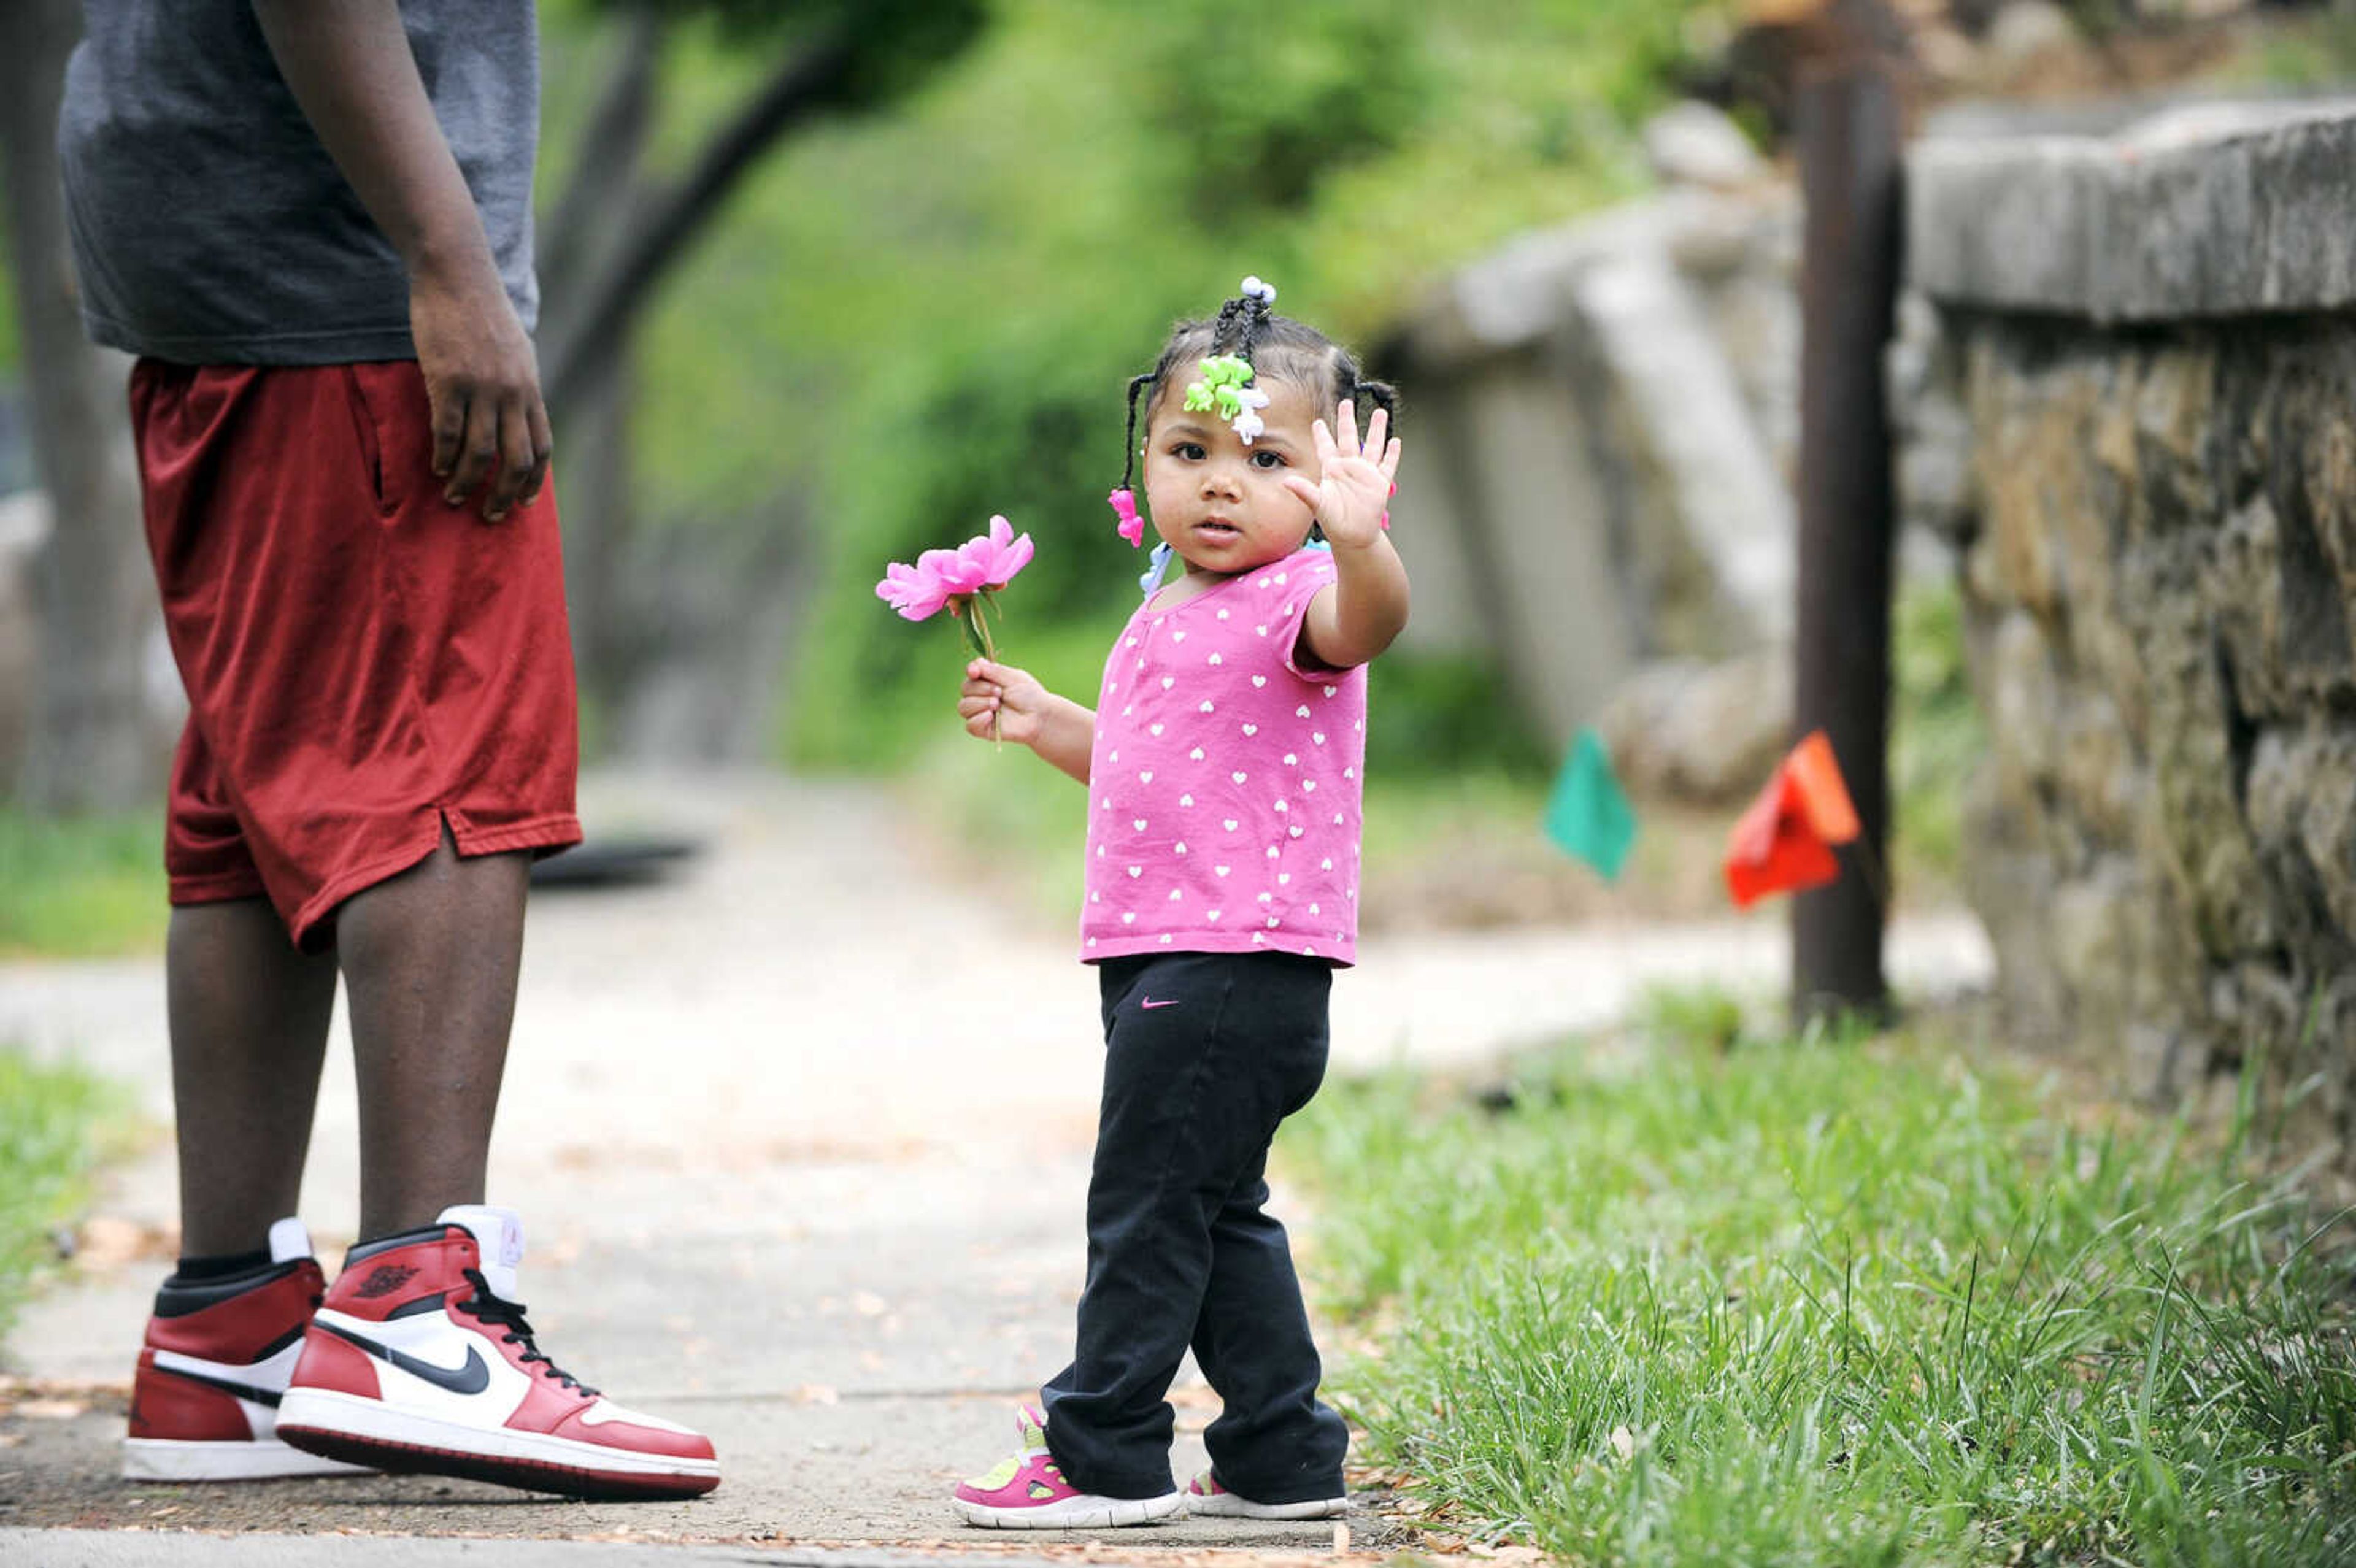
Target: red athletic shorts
[{"x": 364, "y": 662}]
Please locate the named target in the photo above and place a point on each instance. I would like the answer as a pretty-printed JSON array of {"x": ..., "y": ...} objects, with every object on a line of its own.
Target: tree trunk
[
  {"x": 1848, "y": 149},
  {"x": 591, "y": 412},
  {"x": 90, "y": 746},
  {"x": 611, "y": 236}
]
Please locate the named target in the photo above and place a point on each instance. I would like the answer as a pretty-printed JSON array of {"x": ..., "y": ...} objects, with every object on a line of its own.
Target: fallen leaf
[
  {"x": 51, "y": 1409},
  {"x": 1623, "y": 1442},
  {"x": 110, "y": 1241}
]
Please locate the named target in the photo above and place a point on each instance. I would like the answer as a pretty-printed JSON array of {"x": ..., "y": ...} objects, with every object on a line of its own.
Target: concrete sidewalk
[{"x": 800, "y": 1139}]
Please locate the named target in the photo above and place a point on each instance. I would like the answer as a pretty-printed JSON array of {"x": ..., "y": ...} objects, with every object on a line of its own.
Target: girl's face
[{"x": 1220, "y": 504}]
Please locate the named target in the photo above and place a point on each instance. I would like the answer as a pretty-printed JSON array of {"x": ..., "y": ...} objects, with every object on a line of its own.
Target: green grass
[
  {"x": 56, "y": 1123},
  {"x": 81, "y": 887},
  {"x": 1710, "y": 1297}
]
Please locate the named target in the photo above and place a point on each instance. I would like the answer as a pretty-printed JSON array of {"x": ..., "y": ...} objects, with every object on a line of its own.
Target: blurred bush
[{"x": 917, "y": 319}]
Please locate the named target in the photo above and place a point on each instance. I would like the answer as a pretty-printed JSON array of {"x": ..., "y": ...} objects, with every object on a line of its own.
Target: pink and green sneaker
[
  {"x": 1029, "y": 1492},
  {"x": 1205, "y": 1496}
]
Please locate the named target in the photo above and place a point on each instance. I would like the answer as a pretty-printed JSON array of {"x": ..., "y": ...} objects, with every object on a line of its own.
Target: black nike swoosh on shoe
[
  {"x": 238, "y": 1390},
  {"x": 472, "y": 1377}
]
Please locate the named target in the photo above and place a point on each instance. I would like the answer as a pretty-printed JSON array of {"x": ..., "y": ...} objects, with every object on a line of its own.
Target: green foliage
[
  {"x": 1252, "y": 122},
  {"x": 2309, "y": 54},
  {"x": 1716, "y": 1297},
  {"x": 920, "y": 319},
  {"x": 81, "y": 887},
  {"x": 51, "y": 1123},
  {"x": 1444, "y": 714}
]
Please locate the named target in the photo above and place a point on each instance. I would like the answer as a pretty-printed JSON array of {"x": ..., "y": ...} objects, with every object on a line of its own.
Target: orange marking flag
[{"x": 1784, "y": 842}]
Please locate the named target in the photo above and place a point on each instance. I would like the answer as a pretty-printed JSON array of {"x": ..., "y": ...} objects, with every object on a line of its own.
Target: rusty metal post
[{"x": 1847, "y": 132}]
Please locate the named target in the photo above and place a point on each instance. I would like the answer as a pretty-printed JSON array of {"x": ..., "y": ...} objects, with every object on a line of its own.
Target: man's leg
[
  {"x": 430, "y": 959},
  {"x": 420, "y": 1358},
  {"x": 248, "y": 1021}
]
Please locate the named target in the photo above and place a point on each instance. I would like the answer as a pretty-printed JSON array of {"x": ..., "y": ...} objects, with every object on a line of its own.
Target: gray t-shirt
[{"x": 210, "y": 227}]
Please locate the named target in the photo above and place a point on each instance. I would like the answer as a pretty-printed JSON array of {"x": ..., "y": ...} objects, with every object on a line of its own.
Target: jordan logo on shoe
[
  {"x": 1150, "y": 1002},
  {"x": 388, "y": 1278},
  {"x": 473, "y": 1377}
]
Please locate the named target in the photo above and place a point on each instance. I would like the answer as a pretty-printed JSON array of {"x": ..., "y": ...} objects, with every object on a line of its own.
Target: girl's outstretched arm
[
  {"x": 1058, "y": 728},
  {"x": 1356, "y": 619}
]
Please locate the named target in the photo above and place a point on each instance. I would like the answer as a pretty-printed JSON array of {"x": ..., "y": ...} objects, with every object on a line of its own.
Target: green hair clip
[{"x": 1225, "y": 389}]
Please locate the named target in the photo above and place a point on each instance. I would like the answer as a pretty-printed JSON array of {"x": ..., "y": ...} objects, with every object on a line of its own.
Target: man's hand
[
  {"x": 482, "y": 384},
  {"x": 349, "y": 64}
]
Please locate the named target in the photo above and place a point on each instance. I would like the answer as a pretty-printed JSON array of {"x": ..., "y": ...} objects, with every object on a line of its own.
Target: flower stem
[{"x": 977, "y": 619}]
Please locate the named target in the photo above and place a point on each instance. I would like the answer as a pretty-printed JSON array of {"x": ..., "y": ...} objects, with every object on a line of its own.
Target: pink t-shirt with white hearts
[{"x": 1223, "y": 790}]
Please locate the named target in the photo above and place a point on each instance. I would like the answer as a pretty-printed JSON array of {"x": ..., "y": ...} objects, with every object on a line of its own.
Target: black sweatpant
[{"x": 1205, "y": 1054}]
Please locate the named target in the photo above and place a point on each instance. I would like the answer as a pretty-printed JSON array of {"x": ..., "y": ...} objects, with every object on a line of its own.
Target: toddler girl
[{"x": 1223, "y": 762}]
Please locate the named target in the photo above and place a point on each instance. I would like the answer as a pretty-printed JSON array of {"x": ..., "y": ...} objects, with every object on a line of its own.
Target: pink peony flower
[
  {"x": 915, "y": 592},
  {"x": 959, "y": 572},
  {"x": 998, "y": 555},
  {"x": 963, "y": 581}
]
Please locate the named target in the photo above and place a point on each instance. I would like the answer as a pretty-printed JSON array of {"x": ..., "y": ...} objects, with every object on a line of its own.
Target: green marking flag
[{"x": 1589, "y": 815}]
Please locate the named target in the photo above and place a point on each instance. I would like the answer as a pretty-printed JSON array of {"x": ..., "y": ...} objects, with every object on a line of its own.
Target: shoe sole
[
  {"x": 1233, "y": 1507},
  {"x": 368, "y": 1431},
  {"x": 1073, "y": 1513},
  {"x": 261, "y": 1459}
]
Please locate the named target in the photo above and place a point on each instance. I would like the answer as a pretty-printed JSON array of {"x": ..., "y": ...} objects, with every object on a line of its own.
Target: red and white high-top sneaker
[
  {"x": 420, "y": 1360},
  {"x": 204, "y": 1404}
]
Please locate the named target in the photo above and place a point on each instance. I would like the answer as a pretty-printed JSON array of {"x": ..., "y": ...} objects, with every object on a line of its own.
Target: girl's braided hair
[{"x": 1277, "y": 346}]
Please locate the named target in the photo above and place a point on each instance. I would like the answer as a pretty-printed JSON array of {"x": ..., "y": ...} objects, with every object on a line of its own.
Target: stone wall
[
  {"x": 1603, "y": 419},
  {"x": 2145, "y": 347}
]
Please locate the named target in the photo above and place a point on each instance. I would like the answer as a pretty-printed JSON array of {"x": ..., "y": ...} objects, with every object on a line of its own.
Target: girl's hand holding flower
[
  {"x": 999, "y": 701},
  {"x": 1355, "y": 486}
]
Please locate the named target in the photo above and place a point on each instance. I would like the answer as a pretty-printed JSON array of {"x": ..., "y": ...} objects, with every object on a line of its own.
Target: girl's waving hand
[
  {"x": 1354, "y": 483},
  {"x": 1356, "y": 619}
]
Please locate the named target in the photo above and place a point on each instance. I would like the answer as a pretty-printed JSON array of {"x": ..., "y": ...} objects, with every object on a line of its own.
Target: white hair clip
[
  {"x": 1247, "y": 423},
  {"x": 1254, "y": 288}
]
